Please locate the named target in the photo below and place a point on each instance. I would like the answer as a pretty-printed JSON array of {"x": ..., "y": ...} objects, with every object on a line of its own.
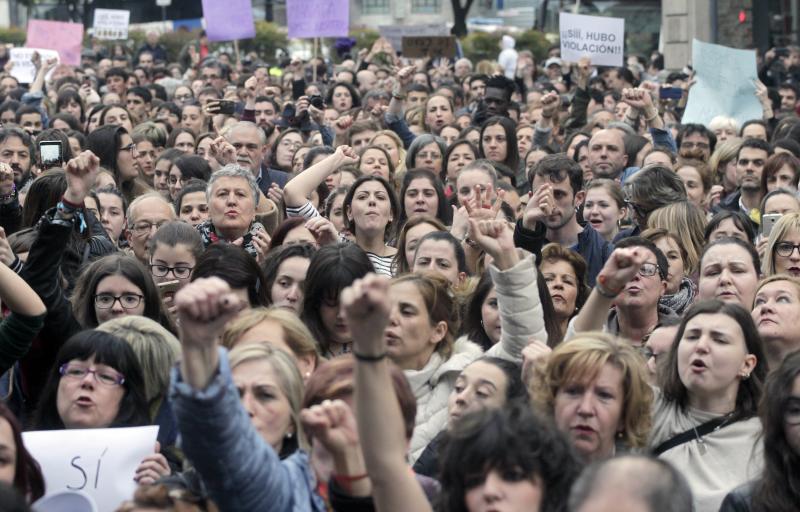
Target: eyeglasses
[
  {"x": 786, "y": 249},
  {"x": 209, "y": 77},
  {"x": 289, "y": 144},
  {"x": 791, "y": 413},
  {"x": 106, "y": 377},
  {"x": 183, "y": 97},
  {"x": 178, "y": 272},
  {"x": 140, "y": 228},
  {"x": 130, "y": 147},
  {"x": 126, "y": 300},
  {"x": 648, "y": 269},
  {"x": 430, "y": 156},
  {"x": 692, "y": 145}
]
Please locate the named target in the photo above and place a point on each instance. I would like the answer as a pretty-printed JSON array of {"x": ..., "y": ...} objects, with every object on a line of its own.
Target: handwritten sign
[
  {"x": 111, "y": 23},
  {"x": 395, "y": 33},
  {"x": 727, "y": 90},
  {"x": 23, "y": 69},
  {"x": 429, "y": 46},
  {"x": 65, "y": 38},
  {"x": 228, "y": 20},
  {"x": 318, "y": 18},
  {"x": 600, "y": 38},
  {"x": 100, "y": 462}
]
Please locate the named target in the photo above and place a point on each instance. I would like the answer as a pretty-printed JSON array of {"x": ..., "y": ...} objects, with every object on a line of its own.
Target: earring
[
  {"x": 289, "y": 435},
  {"x": 745, "y": 376}
]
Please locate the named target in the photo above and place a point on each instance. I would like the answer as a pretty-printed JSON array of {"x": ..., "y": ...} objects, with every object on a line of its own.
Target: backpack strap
[{"x": 692, "y": 434}]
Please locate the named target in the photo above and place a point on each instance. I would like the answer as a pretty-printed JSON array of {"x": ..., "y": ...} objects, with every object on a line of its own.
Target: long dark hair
[
  {"x": 28, "y": 479},
  {"x": 393, "y": 203},
  {"x": 444, "y": 213},
  {"x": 105, "y": 142},
  {"x": 106, "y": 349},
  {"x": 233, "y": 265},
  {"x": 116, "y": 265},
  {"x": 333, "y": 268},
  {"x": 778, "y": 489},
  {"x": 750, "y": 390},
  {"x": 512, "y": 151}
]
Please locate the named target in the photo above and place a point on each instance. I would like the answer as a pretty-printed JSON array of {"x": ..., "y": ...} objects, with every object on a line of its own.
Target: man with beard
[
  {"x": 696, "y": 141},
  {"x": 16, "y": 149},
  {"x": 557, "y": 184},
  {"x": 750, "y": 161}
]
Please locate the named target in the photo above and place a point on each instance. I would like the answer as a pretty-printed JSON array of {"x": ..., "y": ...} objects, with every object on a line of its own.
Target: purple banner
[
  {"x": 318, "y": 18},
  {"x": 227, "y": 20}
]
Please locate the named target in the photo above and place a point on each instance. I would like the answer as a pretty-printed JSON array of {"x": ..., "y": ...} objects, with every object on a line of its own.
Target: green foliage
[
  {"x": 365, "y": 37},
  {"x": 480, "y": 46},
  {"x": 269, "y": 38},
  {"x": 13, "y": 35},
  {"x": 535, "y": 41}
]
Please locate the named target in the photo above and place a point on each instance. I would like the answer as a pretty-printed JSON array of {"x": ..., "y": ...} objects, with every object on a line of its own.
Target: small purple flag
[
  {"x": 227, "y": 20},
  {"x": 318, "y": 18}
]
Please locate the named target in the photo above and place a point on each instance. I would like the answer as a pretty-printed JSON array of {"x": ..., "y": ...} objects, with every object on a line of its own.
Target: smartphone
[
  {"x": 671, "y": 93},
  {"x": 767, "y": 221},
  {"x": 50, "y": 154},
  {"x": 168, "y": 288},
  {"x": 221, "y": 107}
]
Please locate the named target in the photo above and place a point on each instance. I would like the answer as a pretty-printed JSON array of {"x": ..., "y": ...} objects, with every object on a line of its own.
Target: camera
[{"x": 317, "y": 102}]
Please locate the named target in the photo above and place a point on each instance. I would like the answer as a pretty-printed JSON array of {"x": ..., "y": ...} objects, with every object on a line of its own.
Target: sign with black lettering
[
  {"x": 600, "y": 38},
  {"x": 100, "y": 462},
  {"x": 427, "y": 46}
]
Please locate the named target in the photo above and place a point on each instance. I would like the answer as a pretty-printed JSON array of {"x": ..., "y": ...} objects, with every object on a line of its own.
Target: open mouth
[{"x": 698, "y": 365}]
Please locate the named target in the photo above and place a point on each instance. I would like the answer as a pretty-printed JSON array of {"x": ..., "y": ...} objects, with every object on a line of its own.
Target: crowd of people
[{"x": 399, "y": 284}]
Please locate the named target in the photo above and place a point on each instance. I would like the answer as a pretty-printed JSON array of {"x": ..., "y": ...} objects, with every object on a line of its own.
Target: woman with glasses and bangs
[
  {"x": 97, "y": 382},
  {"x": 782, "y": 255}
]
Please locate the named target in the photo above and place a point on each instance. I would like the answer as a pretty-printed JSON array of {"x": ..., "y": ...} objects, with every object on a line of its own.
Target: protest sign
[
  {"x": 429, "y": 46},
  {"x": 65, "y": 38},
  {"x": 100, "y": 462},
  {"x": 228, "y": 20},
  {"x": 111, "y": 23},
  {"x": 318, "y": 18},
  {"x": 600, "y": 38},
  {"x": 395, "y": 33},
  {"x": 23, "y": 69},
  {"x": 719, "y": 90}
]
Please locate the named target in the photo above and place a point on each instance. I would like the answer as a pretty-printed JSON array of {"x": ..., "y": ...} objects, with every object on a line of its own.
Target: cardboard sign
[
  {"x": 23, "y": 69},
  {"x": 228, "y": 20},
  {"x": 429, "y": 46},
  {"x": 318, "y": 18},
  {"x": 111, "y": 23},
  {"x": 65, "y": 38},
  {"x": 100, "y": 462},
  {"x": 727, "y": 90},
  {"x": 395, "y": 33},
  {"x": 600, "y": 38}
]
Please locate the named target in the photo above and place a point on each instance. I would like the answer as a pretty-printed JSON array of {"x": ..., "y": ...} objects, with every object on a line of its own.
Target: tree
[{"x": 460, "y": 17}]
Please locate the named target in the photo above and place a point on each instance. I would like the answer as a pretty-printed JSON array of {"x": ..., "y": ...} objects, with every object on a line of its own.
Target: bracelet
[
  {"x": 369, "y": 359},
  {"x": 603, "y": 291},
  {"x": 70, "y": 205},
  {"x": 10, "y": 195},
  {"x": 650, "y": 119},
  {"x": 398, "y": 96}
]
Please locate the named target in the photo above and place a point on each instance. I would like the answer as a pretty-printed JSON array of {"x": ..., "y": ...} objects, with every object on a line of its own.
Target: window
[
  {"x": 431, "y": 6},
  {"x": 375, "y": 7}
]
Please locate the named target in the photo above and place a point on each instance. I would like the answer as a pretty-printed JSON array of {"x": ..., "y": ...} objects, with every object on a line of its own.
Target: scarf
[
  {"x": 682, "y": 299},
  {"x": 210, "y": 236}
]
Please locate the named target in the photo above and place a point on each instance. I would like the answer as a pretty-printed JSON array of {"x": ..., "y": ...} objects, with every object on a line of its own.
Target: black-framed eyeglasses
[
  {"x": 126, "y": 300},
  {"x": 140, "y": 228},
  {"x": 106, "y": 377},
  {"x": 180, "y": 272},
  {"x": 786, "y": 249},
  {"x": 130, "y": 147}
]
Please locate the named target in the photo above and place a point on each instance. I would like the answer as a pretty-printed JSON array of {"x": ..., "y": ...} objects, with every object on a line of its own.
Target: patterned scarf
[
  {"x": 682, "y": 299},
  {"x": 210, "y": 236}
]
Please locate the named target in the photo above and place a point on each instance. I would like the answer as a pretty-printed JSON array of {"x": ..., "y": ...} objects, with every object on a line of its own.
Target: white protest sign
[
  {"x": 100, "y": 462},
  {"x": 600, "y": 38},
  {"x": 111, "y": 23},
  {"x": 23, "y": 69}
]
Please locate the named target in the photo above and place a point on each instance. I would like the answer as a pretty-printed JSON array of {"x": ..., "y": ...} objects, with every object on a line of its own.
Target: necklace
[{"x": 701, "y": 442}]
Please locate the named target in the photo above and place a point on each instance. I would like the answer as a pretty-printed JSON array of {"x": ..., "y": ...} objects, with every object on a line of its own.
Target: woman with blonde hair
[
  {"x": 723, "y": 167},
  {"x": 782, "y": 255},
  {"x": 776, "y": 309},
  {"x": 157, "y": 350},
  {"x": 687, "y": 222},
  {"x": 681, "y": 290},
  {"x": 392, "y": 143},
  {"x": 595, "y": 386},
  {"x": 271, "y": 391},
  {"x": 278, "y": 328}
]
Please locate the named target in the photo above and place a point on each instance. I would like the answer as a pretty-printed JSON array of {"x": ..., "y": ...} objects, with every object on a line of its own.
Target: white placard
[
  {"x": 100, "y": 462},
  {"x": 600, "y": 38},
  {"x": 111, "y": 23},
  {"x": 23, "y": 69}
]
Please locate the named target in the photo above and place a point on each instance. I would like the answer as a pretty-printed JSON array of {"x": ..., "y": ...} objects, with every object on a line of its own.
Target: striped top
[{"x": 382, "y": 264}]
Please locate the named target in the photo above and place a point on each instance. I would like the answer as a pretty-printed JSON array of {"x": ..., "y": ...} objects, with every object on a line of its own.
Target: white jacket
[{"x": 521, "y": 317}]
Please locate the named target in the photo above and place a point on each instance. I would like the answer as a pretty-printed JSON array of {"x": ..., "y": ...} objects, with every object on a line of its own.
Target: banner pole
[{"x": 314, "y": 66}]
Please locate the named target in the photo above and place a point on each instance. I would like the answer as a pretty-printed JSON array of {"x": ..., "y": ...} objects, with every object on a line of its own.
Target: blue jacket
[
  {"x": 591, "y": 245},
  {"x": 241, "y": 471}
]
